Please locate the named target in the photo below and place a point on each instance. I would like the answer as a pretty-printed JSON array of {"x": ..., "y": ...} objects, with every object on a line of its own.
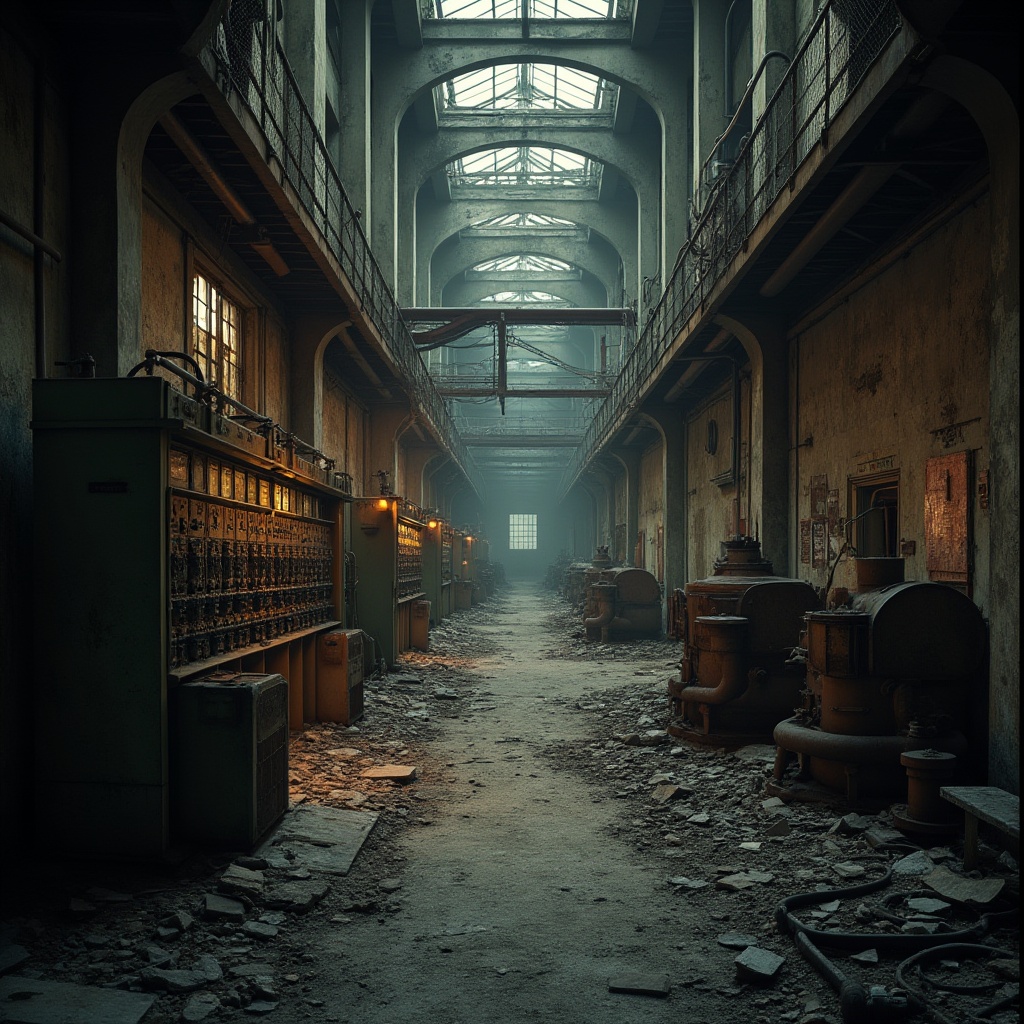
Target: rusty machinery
[
  {"x": 892, "y": 682},
  {"x": 621, "y": 604},
  {"x": 739, "y": 627}
]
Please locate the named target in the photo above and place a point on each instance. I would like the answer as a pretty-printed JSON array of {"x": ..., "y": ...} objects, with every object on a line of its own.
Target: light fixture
[
  {"x": 432, "y": 524},
  {"x": 382, "y": 504}
]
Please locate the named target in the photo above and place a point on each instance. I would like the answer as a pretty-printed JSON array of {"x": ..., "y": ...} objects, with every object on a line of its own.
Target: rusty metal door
[{"x": 947, "y": 519}]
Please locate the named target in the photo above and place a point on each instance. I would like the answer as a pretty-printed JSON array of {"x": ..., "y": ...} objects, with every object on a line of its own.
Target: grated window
[{"x": 522, "y": 532}]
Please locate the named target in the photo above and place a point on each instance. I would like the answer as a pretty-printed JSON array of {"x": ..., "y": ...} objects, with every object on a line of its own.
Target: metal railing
[
  {"x": 842, "y": 44},
  {"x": 251, "y": 65}
]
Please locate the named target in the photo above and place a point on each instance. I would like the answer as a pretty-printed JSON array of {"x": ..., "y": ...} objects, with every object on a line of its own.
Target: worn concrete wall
[
  {"x": 344, "y": 430},
  {"x": 905, "y": 358},
  {"x": 651, "y": 507},
  {"x": 711, "y": 506},
  {"x": 18, "y": 90},
  {"x": 164, "y": 286}
]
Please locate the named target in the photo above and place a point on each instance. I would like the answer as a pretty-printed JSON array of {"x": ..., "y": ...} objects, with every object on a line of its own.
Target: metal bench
[{"x": 994, "y": 806}]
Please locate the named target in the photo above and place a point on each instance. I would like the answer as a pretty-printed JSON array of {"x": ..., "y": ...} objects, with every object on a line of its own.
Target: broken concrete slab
[
  {"x": 395, "y": 772},
  {"x": 199, "y": 1007},
  {"x": 326, "y": 839},
  {"x": 296, "y": 897},
  {"x": 758, "y": 966},
  {"x": 177, "y": 982},
  {"x": 734, "y": 940},
  {"x": 220, "y": 908},
  {"x": 640, "y": 984},
  {"x": 32, "y": 1001},
  {"x": 867, "y": 956},
  {"x": 963, "y": 890}
]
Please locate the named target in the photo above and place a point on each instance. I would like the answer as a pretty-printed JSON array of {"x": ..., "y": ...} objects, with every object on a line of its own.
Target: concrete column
[
  {"x": 386, "y": 423},
  {"x": 354, "y": 116},
  {"x": 630, "y": 462},
  {"x": 408, "y": 186},
  {"x": 381, "y": 226},
  {"x": 670, "y": 422},
  {"x": 768, "y": 349},
  {"x": 676, "y": 173},
  {"x": 773, "y": 28},
  {"x": 305, "y": 46},
  {"x": 709, "y": 114}
]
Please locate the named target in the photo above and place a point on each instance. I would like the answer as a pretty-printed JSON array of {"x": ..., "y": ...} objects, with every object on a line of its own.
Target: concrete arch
[
  {"x": 767, "y": 350},
  {"x": 438, "y": 223},
  {"x": 311, "y": 334},
  {"x": 106, "y": 195},
  {"x": 576, "y": 293},
  {"x": 466, "y": 254},
  {"x": 662, "y": 79}
]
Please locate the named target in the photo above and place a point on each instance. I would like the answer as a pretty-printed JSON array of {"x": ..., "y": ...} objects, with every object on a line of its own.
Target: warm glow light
[
  {"x": 470, "y": 539},
  {"x": 432, "y": 524},
  {"x": 382, "y": 503}
]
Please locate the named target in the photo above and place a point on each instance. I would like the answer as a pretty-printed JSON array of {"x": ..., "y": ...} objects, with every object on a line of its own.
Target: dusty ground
[{"x": 554, "y": 839}]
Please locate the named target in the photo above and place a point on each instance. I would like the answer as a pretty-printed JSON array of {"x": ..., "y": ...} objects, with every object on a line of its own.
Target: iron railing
[
  {"x": 251, "y": 65},
  {"x": 843, "y": 43}
]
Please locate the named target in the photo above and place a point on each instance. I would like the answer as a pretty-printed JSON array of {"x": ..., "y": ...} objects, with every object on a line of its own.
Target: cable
[{"x": 949, "y": 949}]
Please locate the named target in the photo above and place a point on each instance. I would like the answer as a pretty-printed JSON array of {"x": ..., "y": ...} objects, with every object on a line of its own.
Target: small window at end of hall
[
  {"x": 522, "y": 532},
  {"x": 217, "y": 335}
]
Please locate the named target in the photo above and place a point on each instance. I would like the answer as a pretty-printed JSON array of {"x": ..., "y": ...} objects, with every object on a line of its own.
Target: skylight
[
  {"x": 522, "y": 262},
  {"x": 525, "y": 87},
  {"x": 527, "y": 298},
  {"x": 522, "y": 220},
  {"x": 535, "y": 8},
  {"x": 525, "y": 165}
]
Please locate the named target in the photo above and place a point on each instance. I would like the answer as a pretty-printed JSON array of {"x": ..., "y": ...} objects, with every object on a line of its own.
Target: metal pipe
[
  {"x": 30, "y": 236},
  {"x": 727, "y": 63},
  {"x": 38, "y": 217},
  {"x": 747, "y": 93}
]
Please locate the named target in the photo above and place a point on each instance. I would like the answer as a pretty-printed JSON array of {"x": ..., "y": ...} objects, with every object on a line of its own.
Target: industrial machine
[
  {"x": 228, "y": 758},
  {"x": 622, "y": 604},
  {"x": 172, "y": 540},
  {"x": 739, "y": 628},
  {"x": 339, "y": 676},
  {"x": 899, "y": 670},
  {"x": 387, "y": 542}
]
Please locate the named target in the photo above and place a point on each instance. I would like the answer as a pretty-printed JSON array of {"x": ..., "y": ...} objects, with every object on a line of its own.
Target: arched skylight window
[
  {"x": 530, "y": 166},
  {"x": 522, "y": 262},
  {"x": 535, "y": 8},
  {"x": 525, "y": 87},
  {"x": 527, "y": 221},
  {"x": 527, "y": 298}
]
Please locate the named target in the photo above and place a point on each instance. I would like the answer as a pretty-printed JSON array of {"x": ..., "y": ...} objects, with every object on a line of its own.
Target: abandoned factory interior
[{"x": 587, "y": 428}]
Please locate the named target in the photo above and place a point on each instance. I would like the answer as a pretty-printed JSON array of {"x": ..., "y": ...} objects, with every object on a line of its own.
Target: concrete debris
[
  {"x": 868, "y": 956},
  {"x": 296, "y": 897},
  {"x": 668, "y": 791},
  {"x": 55, "y": 1002},
  {"x": 396, "y": 772},
  {"x": 640, "y": 984},
  {"x": 220, "y": 908},
  {"x": 688, "y": 883},
  {"x": 758, "y": 966},
  {"x": 733, "y": 940},
  {"x": 199, "y": 1007},
  {"x": 156, "y": 979},
  {"x": 963, "y": 890},
  {"x": 917, "y": 863}
]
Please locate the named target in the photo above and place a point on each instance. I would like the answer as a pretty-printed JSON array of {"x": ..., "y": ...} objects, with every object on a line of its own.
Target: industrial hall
[{"x": 509, "y": 511}]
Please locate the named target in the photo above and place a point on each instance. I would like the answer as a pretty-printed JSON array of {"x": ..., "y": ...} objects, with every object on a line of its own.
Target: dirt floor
[{"x": 555, "y": 844}]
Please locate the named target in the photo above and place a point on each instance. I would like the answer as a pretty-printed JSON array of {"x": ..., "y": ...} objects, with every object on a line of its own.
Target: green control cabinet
[{"x": 170, "y": 542}]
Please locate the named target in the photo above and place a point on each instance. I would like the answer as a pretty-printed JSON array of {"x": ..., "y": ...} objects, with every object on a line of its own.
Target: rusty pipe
[
  {"x": 721, "y": 639},
  {"x": 604, "y": 596},
  {"x": 874, "y": 750}
]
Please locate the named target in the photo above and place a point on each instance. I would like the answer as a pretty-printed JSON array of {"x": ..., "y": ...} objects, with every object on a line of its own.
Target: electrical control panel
[{"x": 170, "y": 542}]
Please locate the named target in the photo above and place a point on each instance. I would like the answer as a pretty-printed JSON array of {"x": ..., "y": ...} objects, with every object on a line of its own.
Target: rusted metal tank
[
  {"x": 733, "y": 699},
  {"x": 622, "y": 604},
  {"x": 741, "y": 556},
  {"x": 899, "y": 670}
]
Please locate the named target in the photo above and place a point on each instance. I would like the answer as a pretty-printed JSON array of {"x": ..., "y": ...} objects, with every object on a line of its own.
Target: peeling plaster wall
[
  {"x": 711, "y": 506},
  {"x": 906, "y": 359},
  {"x": 164, "y": 287},
  {"x": 651, "y": 507},
  {"x": 344, "y": 430}
]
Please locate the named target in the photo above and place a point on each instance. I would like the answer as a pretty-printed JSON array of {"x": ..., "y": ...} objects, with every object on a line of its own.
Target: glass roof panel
[
  {"x": 522, "y": 261},
  {"x": 525, "y": 165},
  {"x": 535, "y": 9},
  {"x": 525, "y": 87},
  {"x": 524, "y": 220},
  {"x": 527, "y": 298}
]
